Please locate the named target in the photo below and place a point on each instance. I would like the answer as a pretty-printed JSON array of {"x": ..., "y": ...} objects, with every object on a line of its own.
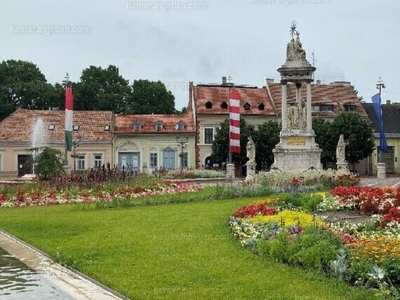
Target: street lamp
[
  {"x": 182, "y": 143},
  {"x": 74, "y": 151},
  {"x": 380, "y": 85}
]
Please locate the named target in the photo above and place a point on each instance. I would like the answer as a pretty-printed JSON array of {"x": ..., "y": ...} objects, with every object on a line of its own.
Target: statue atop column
[{"x": 294, "y": 49}]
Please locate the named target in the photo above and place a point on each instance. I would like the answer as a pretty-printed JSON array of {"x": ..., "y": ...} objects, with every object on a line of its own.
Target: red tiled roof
[
  {"x": 335, "y": 94},
  {"x": 124, "y": 123},
  {"x": 19, "y": 125},
  {"x": 216, "y": 95}
]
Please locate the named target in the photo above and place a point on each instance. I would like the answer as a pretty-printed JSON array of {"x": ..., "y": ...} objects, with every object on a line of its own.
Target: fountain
[{"x": 38, "y": 139}]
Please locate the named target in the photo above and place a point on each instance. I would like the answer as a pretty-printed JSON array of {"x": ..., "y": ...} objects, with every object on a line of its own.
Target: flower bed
[
  {"x": 28, "y": 196},
  {"x": 366, "y": 254},
  {"x": 305, "y": 181}
]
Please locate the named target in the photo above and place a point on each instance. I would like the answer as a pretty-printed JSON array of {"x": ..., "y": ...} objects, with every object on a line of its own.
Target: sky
[{"x": 202, "y": 40}]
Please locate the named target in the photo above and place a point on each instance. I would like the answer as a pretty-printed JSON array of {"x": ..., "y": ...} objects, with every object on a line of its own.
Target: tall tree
[
  {"x": 102, "y": 89},
  {"x": 151, "y": 97},
  {"x": 325, "y": 140},
  {"x": 357, "y": 133},
  {"x": 23, "y": 85},
  {"x": 266, "y": 138},
  {"x": 220, "y": 146}
]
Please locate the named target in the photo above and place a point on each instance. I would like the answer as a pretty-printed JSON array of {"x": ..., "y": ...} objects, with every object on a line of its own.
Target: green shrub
[{"x": 313, "y": 250}]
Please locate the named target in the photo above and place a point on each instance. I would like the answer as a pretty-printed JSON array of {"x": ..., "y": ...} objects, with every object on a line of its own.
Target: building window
[
  {"x": 246, "y": 106},
  {"x": 208, "y": 135},
  {"x": 153, "y": 160},
  {"x": 180, "y": 126},
  {"x": 184, "y": 159},
  {"x": 261, "y": 106},
  {"x": 159, "y": 126},
  {"x": 81, "y": 162},
  {"x": 137, "y": 126},
  {"x": 326, "y": 108},
  {"x": 208, "y": 105},
  {"x": 350, "y": 108},
  {"x": 224, "y": 105},
  {"x": 315, "y": 108},
  {"x": 98, "y": 162}
]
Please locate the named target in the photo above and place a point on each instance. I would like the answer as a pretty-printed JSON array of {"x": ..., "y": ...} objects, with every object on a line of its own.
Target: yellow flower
[{"x": 289, "y": 218}]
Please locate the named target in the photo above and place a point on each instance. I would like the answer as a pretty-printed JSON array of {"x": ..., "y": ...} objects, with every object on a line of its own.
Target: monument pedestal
[
  {"x": 342, "y": 166},
  {"x": 230, "y": 171},
  {"x": 66, "y": 169},
  {"x": 297, "y": 151},
  {"x": 381, "y": 170},
  {"x": 250, "y": 170}
]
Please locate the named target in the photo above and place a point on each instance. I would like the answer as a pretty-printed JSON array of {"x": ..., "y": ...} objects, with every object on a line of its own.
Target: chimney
[
  {"x": 318, "y": 81},
  {"x": 269, "y": 80},
  {"x": 223, "y": 79},
  {"x": 190, "y": 91},
  {"x": 388, "y": 102}
]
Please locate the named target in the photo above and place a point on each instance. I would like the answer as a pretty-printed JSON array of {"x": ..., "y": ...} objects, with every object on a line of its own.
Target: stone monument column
[
  {"x": 284, "y": 105},
  {"x": 296, "y": 149},
  {"x": 309, "y": 108},
  {"x": 299, "y": 108}
]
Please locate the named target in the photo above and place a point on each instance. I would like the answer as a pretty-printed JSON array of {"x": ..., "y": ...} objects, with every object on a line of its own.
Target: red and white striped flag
[
  {"x": 234, "y": 122},
  {"x": 69, "y": 103}
]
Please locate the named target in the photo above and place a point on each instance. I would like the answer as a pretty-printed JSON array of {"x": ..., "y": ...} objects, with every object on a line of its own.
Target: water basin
[{"x": 18, "y": 281}]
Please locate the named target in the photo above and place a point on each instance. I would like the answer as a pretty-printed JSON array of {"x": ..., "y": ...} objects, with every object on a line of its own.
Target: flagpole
[
  {"x": 230, "y": 80},
  {"x": 380, "y": 85},
  {"x": 66, "y": 84}
]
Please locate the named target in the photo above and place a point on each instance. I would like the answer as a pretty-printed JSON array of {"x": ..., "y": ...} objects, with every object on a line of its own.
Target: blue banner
[{"x": 376, "y": 102}]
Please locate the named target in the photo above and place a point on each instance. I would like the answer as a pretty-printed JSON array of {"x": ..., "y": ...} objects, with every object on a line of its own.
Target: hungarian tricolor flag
[
  {"x": 69, "y": 105},
  {"x": 234, "y": 122}
]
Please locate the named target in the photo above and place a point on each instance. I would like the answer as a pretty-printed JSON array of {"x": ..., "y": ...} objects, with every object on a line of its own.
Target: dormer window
[
  {"x": 246, "y": 106},
  {"x": 326, "y": 108},
  {"x": 107, "y": 128},
  {"x": 137, "y": 126},
  {"x": 51, "y": 127},
  {"x": 209, "y": 105},
  {"x": 261, "y": 106},
  {"x": 350, "y": 107},
  {"x": 315, "y": 108},
  {"x": 224, "y": 105},
  {"x": 76, "y": 127},
  {"x": 158, "y": 126},
  {"x": 180, "y": 126}
]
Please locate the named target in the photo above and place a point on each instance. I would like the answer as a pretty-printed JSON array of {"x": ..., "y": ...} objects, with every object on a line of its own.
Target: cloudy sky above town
[{"x": 202, "y": 40}]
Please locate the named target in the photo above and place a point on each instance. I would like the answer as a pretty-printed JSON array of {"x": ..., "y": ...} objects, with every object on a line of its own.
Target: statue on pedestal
[
  {"x": 304, "y": 115},
  {"x": 251, "y": 151},
  {"x": 292, "y": 116},
  {"x": 340, "y": 150}
]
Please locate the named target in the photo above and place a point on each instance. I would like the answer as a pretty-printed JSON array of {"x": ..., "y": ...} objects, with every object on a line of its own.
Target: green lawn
[{"x": 176, "y": 251}]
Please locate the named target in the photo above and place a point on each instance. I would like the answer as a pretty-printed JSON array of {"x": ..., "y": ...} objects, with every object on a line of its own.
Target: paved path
[{"x": 392, "y": 181}]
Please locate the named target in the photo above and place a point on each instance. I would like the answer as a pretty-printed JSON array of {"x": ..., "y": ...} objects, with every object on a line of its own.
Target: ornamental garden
[{"x": 322, "y": 231}]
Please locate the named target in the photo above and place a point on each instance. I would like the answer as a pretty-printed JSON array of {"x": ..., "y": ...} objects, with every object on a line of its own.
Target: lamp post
[
  {"x": 182, "y": 143},
  {"x": 75, "y": 145},
  {"x": 380, "y": 85}
]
